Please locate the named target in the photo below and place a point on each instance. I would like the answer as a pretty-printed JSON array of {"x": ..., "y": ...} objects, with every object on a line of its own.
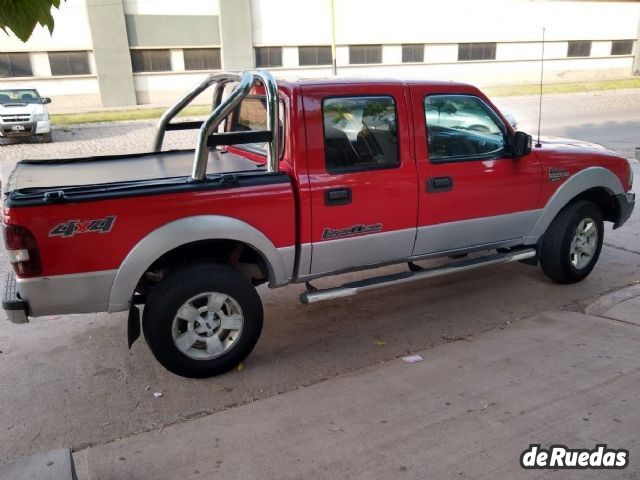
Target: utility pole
[
  {"x": 636, "y": 60},
  {"x": 333, "y": 40}
]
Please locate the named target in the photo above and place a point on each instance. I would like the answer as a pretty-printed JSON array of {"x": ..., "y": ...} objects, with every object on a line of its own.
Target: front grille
[{"x": 14, "y": 118}]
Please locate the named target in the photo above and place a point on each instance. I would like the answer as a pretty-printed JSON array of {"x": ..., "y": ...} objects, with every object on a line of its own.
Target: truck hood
[
  {"x": 21, "y": 109},
  {"x": 568, "y": 145},
  {"x": 559, "y": 142}
]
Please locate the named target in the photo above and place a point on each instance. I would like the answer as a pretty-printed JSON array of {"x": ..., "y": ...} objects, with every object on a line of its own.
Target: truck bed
[{"x": 41, "y": 175}]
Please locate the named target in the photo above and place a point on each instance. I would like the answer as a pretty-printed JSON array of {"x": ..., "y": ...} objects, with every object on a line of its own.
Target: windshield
[{"x": 27, "y": 95}]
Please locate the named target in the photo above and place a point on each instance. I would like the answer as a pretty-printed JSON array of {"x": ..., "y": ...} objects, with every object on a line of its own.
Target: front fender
[
  {"x": 194, "y": 229},
  {"x": 580, "y": 182}
]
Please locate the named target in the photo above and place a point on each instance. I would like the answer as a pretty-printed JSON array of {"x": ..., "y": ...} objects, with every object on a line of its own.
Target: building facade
[{"x": 130, "y": 52}]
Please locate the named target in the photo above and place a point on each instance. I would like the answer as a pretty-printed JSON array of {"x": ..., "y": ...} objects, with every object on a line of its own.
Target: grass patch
[
  {"x": 121, "y": 115},
  {"x": 508, "y": 91}
]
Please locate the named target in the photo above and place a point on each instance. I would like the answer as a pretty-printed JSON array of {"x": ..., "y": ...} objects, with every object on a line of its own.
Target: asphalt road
[{"x": 71, "y": 382}]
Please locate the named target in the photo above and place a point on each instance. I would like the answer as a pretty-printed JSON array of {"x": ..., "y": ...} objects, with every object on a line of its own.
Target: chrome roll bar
[{"x": 221, "y": 108}]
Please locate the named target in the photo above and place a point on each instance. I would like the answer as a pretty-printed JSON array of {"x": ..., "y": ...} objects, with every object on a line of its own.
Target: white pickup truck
[{"x": 23, "y": 114}]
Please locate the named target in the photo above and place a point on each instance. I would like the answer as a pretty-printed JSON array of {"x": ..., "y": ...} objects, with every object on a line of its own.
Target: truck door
[
  {"x": 472, "y": 192},
  {"x": 362, "y": 176}
]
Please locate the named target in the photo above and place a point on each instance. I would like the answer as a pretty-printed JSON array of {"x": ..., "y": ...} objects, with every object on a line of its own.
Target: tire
[
  {"x": 46, "y": 137},
  {"x": 190, "y": 307},
  {"x": 565, "y": 256}
]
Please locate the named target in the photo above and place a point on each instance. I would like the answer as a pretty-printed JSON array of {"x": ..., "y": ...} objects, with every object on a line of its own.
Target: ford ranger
[{"x": 290, "y": 182}]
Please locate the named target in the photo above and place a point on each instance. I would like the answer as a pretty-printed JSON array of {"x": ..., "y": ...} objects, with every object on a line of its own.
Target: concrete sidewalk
[{"x": 467, "y": 411}]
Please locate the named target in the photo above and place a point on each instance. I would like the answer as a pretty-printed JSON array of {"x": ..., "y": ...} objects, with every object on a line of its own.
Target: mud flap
[{"x": 133, "y": 325}]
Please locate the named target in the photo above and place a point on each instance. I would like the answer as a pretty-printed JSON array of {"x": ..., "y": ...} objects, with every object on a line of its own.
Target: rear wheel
[
  {"x": 202, "y": 320},
  {"x": 572, "y": 244}
]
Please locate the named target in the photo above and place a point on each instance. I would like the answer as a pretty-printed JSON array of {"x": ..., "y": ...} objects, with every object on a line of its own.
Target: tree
[{"x": 22, "y": 16}]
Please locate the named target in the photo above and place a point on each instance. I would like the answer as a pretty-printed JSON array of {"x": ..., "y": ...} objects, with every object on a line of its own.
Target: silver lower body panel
[{"x": 63, "y": 294}]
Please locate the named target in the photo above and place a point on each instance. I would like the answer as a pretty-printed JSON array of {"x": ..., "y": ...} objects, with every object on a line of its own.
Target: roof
[{"x": 364, "y": 80}]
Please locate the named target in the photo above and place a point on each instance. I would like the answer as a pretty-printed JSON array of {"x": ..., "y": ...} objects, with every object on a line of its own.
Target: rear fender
[{"x": 194, "y": 229}]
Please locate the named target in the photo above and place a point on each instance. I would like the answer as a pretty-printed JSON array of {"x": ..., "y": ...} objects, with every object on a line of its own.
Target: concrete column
[
  {"x": 177, "y": 60},
  {"x": 40, "y": 64},
  {"x": 236, "y": 35},
  {"x": 636, "y": 61},
  {"x": 111, "y": 52},
  {"x": 392, "y": 54},
  {"x": 290, "y": 57}
]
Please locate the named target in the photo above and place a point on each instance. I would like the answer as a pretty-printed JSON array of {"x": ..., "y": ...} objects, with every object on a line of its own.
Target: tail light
[{"x": 22, "y": 250}]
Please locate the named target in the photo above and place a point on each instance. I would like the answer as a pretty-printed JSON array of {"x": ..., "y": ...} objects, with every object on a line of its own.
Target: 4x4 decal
[{"x": 70, "y": 228}]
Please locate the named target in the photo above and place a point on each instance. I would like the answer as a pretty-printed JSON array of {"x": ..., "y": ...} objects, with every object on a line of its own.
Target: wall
[
  {"x": 237, "y": 26},
  {"x": 516, "y": 25}
]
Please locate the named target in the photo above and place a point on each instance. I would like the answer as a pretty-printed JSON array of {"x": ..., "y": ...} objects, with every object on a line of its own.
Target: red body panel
[
  {"x": 387, "y": 196},
  {"x": 481, "y": 188},
  {"x": 270, "y": 209},
  {"x": 574, "y": 156}
]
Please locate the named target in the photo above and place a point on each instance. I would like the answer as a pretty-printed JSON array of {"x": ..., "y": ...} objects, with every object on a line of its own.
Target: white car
[{"x": 23, "y": 114}]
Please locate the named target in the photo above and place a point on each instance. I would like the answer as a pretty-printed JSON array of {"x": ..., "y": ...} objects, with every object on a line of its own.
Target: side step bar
[{"x": 353, "y": 288}]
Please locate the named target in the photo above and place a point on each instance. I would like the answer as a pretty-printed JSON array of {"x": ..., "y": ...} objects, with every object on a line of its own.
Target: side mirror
[
  {"x": 46, "y": 100},
  {"x": 521, "y": 144}
]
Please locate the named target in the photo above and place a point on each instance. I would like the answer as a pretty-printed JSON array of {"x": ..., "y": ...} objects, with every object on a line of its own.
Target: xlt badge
[
  {"x": 557, "y": 174},
  {"x": 361, "y": 229}
]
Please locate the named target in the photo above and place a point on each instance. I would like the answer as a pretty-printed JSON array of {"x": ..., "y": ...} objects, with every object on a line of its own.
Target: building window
[
  {"x": 202, "y": 59},
  {"x": 361, "y": 54},
  {"x": 15, "y": 65},
  {"x": 150, "y": 60},
  {"x": 360, "y": 133},
  {"x": 621, "y": 47},
  {"x": 314, "y": 56},
  {"x": 579, "y": 48},
  {"x": 412, "y": 53},
  {"x": 268, "y": 57},
  {"x": 69, "y": 63},
  {"x": 476, "y": 51}
]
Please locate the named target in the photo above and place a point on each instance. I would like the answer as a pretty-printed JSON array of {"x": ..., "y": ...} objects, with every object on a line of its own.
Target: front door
[
  {"x": 473, "y": 192},
  {"x": 362, "y": 176}
]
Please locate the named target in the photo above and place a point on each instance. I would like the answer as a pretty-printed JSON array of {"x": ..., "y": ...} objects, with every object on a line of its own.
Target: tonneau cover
[{"x": 45, "y": 174}]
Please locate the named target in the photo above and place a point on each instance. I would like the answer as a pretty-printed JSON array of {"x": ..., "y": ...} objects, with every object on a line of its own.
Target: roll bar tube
[{"x": 221, "y": 109}]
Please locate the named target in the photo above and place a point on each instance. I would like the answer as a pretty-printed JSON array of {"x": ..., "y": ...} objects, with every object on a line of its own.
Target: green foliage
[{"x": 22, "y": 16}]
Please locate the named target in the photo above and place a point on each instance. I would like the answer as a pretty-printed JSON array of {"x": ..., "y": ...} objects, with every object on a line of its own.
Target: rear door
[
  {"x": 362, "y": 176},
  {"x": 472, "y": 193}
]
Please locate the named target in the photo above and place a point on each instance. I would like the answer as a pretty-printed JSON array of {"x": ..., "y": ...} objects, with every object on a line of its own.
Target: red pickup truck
[{"x": 291, "y": 182}]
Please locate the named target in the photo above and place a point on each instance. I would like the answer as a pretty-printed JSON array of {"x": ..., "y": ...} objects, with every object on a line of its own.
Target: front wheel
[
  {"x": 202, "y": 320},
  {"x": 572, "y": 243},
  {"x": 46, "y": 137}
]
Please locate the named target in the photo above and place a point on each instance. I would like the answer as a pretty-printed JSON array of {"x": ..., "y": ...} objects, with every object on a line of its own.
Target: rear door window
[{"x": 360, "y": 133}]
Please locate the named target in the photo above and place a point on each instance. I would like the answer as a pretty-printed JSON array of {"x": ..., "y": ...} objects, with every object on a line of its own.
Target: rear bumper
[
  {"x": 57, "y": 295},
  {"x": 15, "y": 308},
  {"x": 625, "y": 203}
]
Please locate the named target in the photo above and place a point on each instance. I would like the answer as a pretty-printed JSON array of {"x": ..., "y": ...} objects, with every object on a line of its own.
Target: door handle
[
  {"x": 439, "y": 184},
  {"x": 337, "y": 196}
]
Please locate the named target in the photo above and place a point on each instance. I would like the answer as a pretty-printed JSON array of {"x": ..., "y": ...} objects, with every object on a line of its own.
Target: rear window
[{"x": 251, "y": 115}]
